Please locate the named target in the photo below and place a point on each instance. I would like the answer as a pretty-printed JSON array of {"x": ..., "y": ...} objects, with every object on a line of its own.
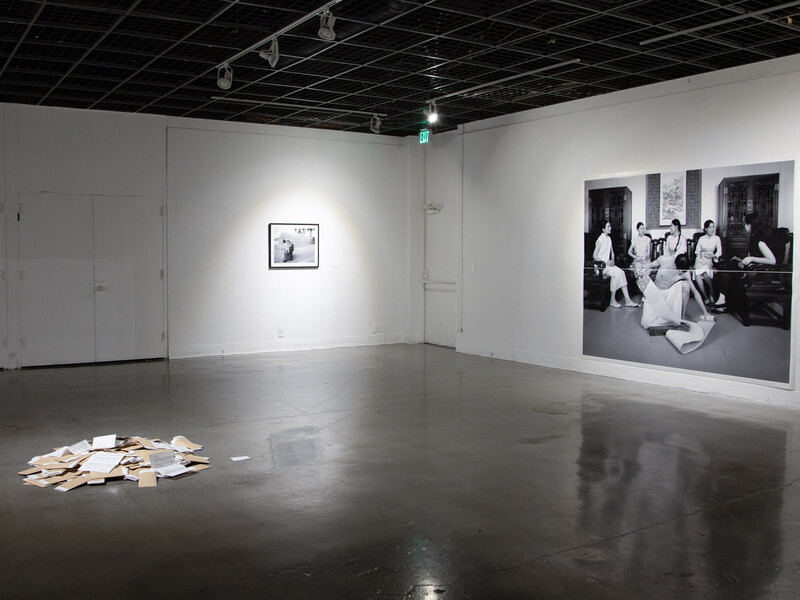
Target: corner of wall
[
  {"x": 415, "y": 195},
  {"x": 8, "y": 260}
]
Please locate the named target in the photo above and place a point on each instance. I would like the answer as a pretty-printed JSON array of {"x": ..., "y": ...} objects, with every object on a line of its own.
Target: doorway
[{"x": 92, "y": 279}]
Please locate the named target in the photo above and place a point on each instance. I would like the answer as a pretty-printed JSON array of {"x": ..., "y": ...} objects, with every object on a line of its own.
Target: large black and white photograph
[
  {"x": 692, "y": 269},
  {"x": 293, "y": 246}
]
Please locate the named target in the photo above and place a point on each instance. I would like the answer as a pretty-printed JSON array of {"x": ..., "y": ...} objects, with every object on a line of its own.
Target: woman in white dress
[
  {"x": 676, "y": 242},
  {"x": 604, "y": 252},
  {"x": 640, "y": 253},
  {"x": 707, "y": 253}
]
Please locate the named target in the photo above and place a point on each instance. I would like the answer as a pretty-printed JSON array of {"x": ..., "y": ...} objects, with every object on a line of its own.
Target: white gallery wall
[
  {"x": 523, "y": 204},
  {"x": 508, "y": 235},
  {"x": 225, "y": 188},
  {"x": 219, "y": 186},
  {"x": 55, "y": 160}
]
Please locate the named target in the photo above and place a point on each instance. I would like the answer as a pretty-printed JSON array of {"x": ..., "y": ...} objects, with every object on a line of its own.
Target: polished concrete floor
[{"x": 402, "y": 471}]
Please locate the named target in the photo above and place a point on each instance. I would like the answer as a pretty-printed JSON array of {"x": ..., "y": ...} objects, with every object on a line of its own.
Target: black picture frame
[{"x": 293, "y": 245}]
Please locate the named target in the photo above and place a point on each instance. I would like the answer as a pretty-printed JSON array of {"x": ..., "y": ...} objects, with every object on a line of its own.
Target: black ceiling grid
[{"x": 390, "y": 57}]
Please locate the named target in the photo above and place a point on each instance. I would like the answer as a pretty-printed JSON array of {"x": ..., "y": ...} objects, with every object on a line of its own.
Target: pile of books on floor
[{"x": 137, "y": 459}]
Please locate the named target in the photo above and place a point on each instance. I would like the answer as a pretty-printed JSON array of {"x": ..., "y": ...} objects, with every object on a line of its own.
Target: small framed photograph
[{"x": 293, "y": 246}]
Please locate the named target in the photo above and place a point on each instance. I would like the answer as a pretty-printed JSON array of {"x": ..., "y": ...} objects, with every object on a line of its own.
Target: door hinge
[
  {"x": 163, "y": 336},
  {"x": 162, "y": 274},
  {"x": 20, "y": 275},
  {"x": 161, "y": 211},
  {"x": 21, "y": 342}
]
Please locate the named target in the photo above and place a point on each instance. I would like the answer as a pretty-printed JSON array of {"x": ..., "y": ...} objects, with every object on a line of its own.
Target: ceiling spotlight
[
  {"x": 326, "y": 21},
  {"x": 375, "y": 124},
  {"x": 271, "y": 54},
  {"x": 225, "y": 77},
  {"x": 431, "y": 113}
]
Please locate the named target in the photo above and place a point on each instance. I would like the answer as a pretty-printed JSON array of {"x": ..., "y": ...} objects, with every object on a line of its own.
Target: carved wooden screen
[
  {"x": 739, "y": 196},
  {"x": 614, "y": 205}
]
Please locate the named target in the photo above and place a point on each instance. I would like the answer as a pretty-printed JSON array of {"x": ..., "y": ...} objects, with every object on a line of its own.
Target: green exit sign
[{"x": 424, "y": 136}]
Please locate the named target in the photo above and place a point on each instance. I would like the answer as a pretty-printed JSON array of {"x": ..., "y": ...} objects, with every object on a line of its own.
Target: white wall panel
[
  {"x": 225, "y": 188},
  {"x": 59, "y": 154},
  {"x": 442, "y": 239},
  {"x": 129, "y": 288},
  {"x": 94, "y": 152},
  {"x": 57, "y": 279},
  {"x": 4, "y": 207}
]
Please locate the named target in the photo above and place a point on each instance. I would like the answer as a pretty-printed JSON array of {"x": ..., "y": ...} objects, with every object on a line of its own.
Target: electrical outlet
[
  {"x": 374, "y": 329},
  {"x": 280, "y": 333}
]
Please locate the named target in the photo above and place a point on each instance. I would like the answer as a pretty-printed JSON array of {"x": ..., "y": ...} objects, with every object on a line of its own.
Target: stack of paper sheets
[{"x": 135, "y": 458}]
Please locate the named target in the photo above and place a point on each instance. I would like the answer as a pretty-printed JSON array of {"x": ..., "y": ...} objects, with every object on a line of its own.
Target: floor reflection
[
  {"x": 295, "y": 447},
  {"x": 689, "y": 498}
]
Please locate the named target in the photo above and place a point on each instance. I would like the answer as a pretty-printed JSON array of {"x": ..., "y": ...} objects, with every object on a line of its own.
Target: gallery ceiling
[{"x": 390, "y": 58}]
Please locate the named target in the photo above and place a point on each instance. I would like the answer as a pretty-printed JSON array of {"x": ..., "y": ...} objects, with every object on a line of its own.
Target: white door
[
  {"x": 91, "y": 284},
  {"x": 442, "y": 245},
  {"x": 128, "y": 278},
  {"x": 56, "y": 279},
  {"x": 441, "y": 297}
]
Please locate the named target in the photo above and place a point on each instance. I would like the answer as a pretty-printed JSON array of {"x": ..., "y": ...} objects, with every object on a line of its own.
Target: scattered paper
[
  {"x": 172, "y": 470},
  {"x": 59, "y": 452},
  {"x": 147, "y": 478},
  {"x": 108, "y": 457},
  {"x": 238, "y": 458},
  {"x": 159, "y": 460},
  {"x": 146, "y": 443},
  {"x": 180, "y": 440},
  {"x": 102, "y": 442},
  {"x": 72, "y": 483},
  {"x": 80, "y": 448},
  {"x": 191, "y": 458},
  {"x": 101, "y": 462}
]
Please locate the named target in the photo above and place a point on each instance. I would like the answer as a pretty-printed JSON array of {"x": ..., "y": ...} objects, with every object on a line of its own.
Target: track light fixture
[
  {"x": 431, "y": 113},
  {"x": 271, "y": 54},
  {"x": 375, "y": 124},
  {"x": 225, "y": 77},
  {"x": 326, "y": 21}
]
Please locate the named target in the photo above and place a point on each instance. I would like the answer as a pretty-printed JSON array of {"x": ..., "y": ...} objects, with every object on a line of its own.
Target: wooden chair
[
  {"x": 762, "y": 294},
  {"x": 691, "y": 247},
  {"x": 596, "y": 286},
  {"x": 657, "y": 248}
]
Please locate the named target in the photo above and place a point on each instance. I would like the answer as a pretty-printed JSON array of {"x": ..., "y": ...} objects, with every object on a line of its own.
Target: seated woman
[
  {"x": 707, "y": 253},
  {"x": 668, "y": 294},
  {"x": 604, "y": 252},
  {"x": 758, "y": 252},
  {"x": 676, "y": 242},
  {"x": 640, "y": 253}
]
